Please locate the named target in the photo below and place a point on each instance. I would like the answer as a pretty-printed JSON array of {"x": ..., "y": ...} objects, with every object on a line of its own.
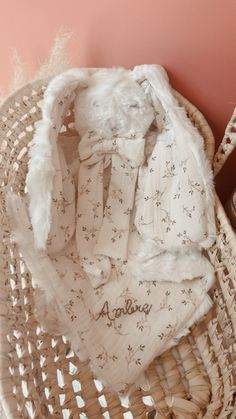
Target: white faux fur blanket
[{"x": 120, "y": 217}]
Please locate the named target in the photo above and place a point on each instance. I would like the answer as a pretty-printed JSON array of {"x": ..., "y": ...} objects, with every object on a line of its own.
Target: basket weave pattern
[{"x": 39, "y": 375}]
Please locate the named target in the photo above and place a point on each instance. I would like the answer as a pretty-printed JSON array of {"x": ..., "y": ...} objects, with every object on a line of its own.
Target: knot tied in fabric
[{"x": 103, "y": 227}]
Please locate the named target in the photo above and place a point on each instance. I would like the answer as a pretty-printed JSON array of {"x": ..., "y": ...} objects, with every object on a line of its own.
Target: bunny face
[{"x": 113, "y": 104}]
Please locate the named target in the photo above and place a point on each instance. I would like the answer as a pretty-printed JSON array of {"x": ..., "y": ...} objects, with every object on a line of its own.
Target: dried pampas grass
[{"x": 57, "y": 62}]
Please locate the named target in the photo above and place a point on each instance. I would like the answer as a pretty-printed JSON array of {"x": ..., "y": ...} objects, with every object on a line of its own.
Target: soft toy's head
[{"x": 113, "y": 104}]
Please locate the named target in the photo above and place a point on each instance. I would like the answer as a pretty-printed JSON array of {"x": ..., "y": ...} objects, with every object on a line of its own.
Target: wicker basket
[{"x": 39, "y": 375}]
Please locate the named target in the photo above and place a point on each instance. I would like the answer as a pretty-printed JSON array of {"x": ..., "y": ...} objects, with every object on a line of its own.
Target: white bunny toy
[
  {"x": 112, "y": 116},
  {"x": 132, "y": 211}
]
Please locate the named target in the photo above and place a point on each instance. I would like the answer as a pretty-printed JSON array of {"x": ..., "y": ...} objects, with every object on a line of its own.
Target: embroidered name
[{"x": 130, "y": 308}]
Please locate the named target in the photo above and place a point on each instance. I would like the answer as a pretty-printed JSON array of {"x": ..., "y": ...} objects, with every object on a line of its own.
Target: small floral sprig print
[
  {"x": 141, "y": 221},
  {"x": 195, "y": 187},
  {"x": 119, "y": 268},
  {"x": 50, "y": 239},
  {"x": 125, "y": 295},
  {"x": 188, "y": 211},
  {"x": 62, "y": 203},
  {"x": 99, "y": 292},
  {"x": 72, "y": 257},
  {"x": 127, "y": 211},
  {"x": 164, "y": 305},
  {"x": 89, "y": 233},
  {"x": 69, "y": 309},
  {"x": 204, "y": 285},
  {"x": 100, "y": 177},
  {"x": 104, "y": 357},
  {"x": 132, "y": 355},
  {"x": 169, "y": 170},
  {"x": 183, "y": 165},
  {"x": 185, "y": 238},
  {"x": 143, "y": 324},
  {"x": 189, "y": 299},
  {"x": 129, "y": 170},
  {"x": 169, "y": 332},
  {"x": 131, "y": 174},
  {"x": 177, "y": 193},
  {"x": 90, "y": 133},
  {"x": 96, "y": 205},
  {"x": 156, "y": 197},
  {"x": 86, "y": 261},
  {"x": 118, "y": 234},
  {"x": 84, "y": 189},
  {"x": 124, "y": 165},
  {"x": 68, "y": 177},
  {"x": 79, "y": 295},
  {"x": 158, "y": 241},
  {"x": 79, "y": 275},
  {"x": 114, "y": 147},
  {"x": 66, "y": 231},
  {"x": 117, "y": 195},
  {"x": 117, "y": 327},
  {"x": 148, "y": 285},
  {"x": 82, "y": 333},
  {"x": 173, "y": 143},
  {"x": 168, "y": 220},
  {"x": 108, "y": 213}
]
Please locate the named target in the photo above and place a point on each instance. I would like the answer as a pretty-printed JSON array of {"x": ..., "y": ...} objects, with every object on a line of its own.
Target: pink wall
[{"x": 194, "y": 39}]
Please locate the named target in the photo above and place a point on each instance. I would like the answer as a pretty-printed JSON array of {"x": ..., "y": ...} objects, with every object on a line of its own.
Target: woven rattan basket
[{"x": 39, "y": 375}]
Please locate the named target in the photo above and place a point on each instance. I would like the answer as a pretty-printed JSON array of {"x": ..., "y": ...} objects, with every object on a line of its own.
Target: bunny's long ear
[
  {"x": 45, "y": 159},
  {"x": 178, "y": 185},
  {"x": 155, "y": 81}
]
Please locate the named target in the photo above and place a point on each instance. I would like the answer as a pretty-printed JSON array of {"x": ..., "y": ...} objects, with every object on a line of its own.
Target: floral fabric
[{"x": 103, "y": 232}]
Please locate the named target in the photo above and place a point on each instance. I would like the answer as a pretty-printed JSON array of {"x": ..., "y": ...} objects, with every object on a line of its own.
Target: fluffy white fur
[
  {"x": 43, "y": 153},
  {"x": 171, "y": 266}
]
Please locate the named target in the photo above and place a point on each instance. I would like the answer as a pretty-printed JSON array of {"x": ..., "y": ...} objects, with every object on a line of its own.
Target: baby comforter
[{"x": 117, "y": 220}]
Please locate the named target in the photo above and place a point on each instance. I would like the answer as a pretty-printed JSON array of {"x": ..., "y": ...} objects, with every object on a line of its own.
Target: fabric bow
[{"x": 103, "y": 228}]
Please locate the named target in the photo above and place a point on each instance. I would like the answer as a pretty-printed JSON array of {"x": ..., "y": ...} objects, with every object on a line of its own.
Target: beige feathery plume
[
  {"x": 57, "y": 62},
  {"x": 20, "y": 76}
]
